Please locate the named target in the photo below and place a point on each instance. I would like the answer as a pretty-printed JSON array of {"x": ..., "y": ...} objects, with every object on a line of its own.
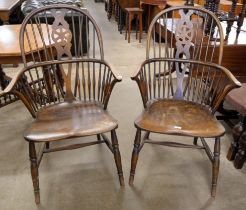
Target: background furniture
[
  {"x": 154, "y": 7},
  {"x": 10, "y": 54},
  {"x": 130, "y": 14},
  {"x": 234, "y": 49},
  {"x": 6, "y": 8},
  {"x": 66, "y": 95},
  {"x": 184, "y": 103},
  {"x": 237, "y": 151},
  {"x": 30, "y": 5}
]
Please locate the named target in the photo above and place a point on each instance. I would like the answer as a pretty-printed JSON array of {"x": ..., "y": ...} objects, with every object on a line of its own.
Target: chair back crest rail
[
  {"x": 186, "y": 32},
  {"x": 206, "y": 84}
]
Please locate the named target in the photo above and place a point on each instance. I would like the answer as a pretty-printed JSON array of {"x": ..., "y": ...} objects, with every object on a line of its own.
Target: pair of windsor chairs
[{"x": 67, "y": 95}]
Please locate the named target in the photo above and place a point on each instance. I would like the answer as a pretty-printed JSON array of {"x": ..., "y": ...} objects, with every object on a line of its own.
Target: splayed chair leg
[
  {"x": 34, "y": 171},
  {"x": 135, "y": 153},
  {"x": 117, "y": 156},
  {"x": 215, "y": 167}
]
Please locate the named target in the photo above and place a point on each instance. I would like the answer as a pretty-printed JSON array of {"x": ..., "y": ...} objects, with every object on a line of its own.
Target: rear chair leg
[
  {"x": 146, "y": 135},
  {"x": 98, "y": 137},
  {"x": 216, "y": 165},
  {"x": 47, "y": 145},
  {"x": 34, "y": 171},
  {"x": 135, "y": 153},
  {"x": 117, "y": 156},
  {"x": 195, "y": 140}
]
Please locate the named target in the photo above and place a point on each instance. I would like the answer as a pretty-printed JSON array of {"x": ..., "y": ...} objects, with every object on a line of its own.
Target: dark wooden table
[{"x": 6, "y": 7}]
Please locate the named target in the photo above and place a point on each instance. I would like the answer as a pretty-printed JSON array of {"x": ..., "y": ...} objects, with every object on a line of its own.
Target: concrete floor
[{"x": 166, "y": 178}]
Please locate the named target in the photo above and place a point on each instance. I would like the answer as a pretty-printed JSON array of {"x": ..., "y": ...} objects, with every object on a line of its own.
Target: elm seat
[
  {"x": 66, "y": 120},
  {"x": 180, "y": 118}
]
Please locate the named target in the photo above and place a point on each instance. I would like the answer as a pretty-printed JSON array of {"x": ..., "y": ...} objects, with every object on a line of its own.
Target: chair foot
[
  {"x": 215, "y": 167},
  {"x": 34, "y": 171},
  {"x": 117, "y": 157},
  {"x": 135, "y": 154},
  {"x": 131, "y": 179},
  {"x": 37, "y": 197}
]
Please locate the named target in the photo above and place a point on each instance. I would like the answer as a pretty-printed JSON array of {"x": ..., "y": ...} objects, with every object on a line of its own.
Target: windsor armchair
[
  {"x": 66, "y": 95},
  {"x": 180, "y": 87}
]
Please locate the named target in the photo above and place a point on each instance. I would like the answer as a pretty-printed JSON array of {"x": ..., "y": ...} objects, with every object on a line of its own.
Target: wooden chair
[
  {"x": 180, "y": 90},
  {"x": 67, "y": 96}
]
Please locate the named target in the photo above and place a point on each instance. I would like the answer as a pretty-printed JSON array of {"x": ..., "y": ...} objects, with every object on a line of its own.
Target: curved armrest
[
  {"x": 203, "y": 82},
  {"x": 55, "y": 81}
]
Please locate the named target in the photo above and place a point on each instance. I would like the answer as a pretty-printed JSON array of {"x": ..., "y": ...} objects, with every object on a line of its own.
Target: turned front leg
[
  {"x": 135, "y": 153},
  {"x": 216, "y": 165},
  {"x": 117, "y": 156},
  {"x": 34, "y": 171}
]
